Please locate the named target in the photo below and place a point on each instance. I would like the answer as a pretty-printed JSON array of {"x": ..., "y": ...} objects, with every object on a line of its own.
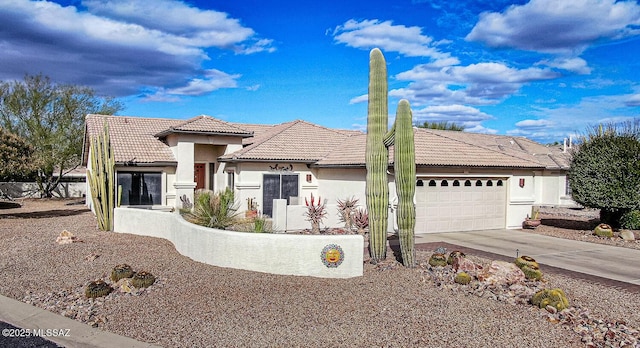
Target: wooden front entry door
[{"x": 198, "y": 175}]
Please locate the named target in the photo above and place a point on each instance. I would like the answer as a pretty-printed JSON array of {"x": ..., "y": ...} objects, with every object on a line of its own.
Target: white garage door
[{"x": 460, "y": 204}]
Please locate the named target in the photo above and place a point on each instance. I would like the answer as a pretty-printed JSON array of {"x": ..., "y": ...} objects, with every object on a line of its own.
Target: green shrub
[
  {"x": 631, "y": 220},
  {"x": 605, "y": 171},
  {"x": 215, "y": 210}
]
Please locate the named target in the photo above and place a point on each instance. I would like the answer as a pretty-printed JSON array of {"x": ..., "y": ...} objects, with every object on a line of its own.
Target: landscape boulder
[
  {"x": 627, "y": 235},
  {"x": 501, "y": 273},
  {"x": 463, "y": 264}
]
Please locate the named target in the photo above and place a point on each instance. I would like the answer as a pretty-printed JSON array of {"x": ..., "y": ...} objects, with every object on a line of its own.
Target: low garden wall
[{"x": 326, "y": 256}]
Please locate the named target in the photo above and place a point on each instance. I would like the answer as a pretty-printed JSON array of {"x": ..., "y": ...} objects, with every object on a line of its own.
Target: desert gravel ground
[{"x": 198, "y": 305}]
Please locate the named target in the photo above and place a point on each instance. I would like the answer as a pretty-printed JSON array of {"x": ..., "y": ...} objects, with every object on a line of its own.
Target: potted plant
[{"x": 532, "y": 221}]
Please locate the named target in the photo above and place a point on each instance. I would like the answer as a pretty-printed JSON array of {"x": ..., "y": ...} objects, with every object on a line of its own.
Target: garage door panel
[{"x": 460, "y": 208}]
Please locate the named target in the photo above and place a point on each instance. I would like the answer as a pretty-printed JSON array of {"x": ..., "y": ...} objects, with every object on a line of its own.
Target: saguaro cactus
[
  {"x": 405, "y": 178},
  {"x": 377, "y": 157},
  {"x": 101, "y": 179}
]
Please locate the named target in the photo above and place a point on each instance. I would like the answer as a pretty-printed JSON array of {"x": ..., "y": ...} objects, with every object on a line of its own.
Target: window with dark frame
[{"x": 140, "y": 188}]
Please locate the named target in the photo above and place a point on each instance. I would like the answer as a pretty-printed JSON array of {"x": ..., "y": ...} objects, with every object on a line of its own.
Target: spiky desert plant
[
  {"x": 121, "y": 271},
  {"x": 454, "y": 255},
  {"x": 553, "y": 297},
  {"x": 438, "y": 260},
  {"x": 214, "y": 210},
  {"x": 405, "y": 178},
  {"x": 462, "y": 278},
  {"x": 377, "y": 157},
  {"x": 526, "y": 261},
  {"x": 603, "y": 230},
  {"x": 531, "y": 272},
  {"x": 315, "y": 213},
  {"x": 97, "y": 288},
  {"x": 143, "y": 279},
  {"x": 346, "y": 209},
  {"x": 101, "y": 179},
  {"x": 361, "y": 219}
]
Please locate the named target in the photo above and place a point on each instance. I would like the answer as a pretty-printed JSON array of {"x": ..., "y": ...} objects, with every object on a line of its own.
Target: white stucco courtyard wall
[{"x": 285, "y": 254}]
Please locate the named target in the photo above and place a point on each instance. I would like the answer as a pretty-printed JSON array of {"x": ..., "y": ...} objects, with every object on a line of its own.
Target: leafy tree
[
  {"x": 51, "y": 118},
  {"x": 605, "y": 170},
  {"x": 14, "y": 157},
  {"x": 442, "y": 125}
]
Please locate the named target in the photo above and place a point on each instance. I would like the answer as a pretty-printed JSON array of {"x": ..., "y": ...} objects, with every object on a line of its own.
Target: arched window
[
  {"x": 489, "y": 183},
  {"x": 499, "y": 183},
  {"x": 419, "y": 183},
  {"x": 444, "y": 183},
  {"x": 456, "y": 183},
  {"x": 432, "y": 183},
  {"x": 478, "y": 183},
  {"x": 467, "y": 183}
]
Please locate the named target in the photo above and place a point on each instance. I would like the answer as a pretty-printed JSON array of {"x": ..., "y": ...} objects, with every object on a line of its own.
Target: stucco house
[{"x": 465, "y": 181}]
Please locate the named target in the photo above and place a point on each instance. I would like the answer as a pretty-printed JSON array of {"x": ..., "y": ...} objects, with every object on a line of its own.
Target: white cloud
[
  {"x": 119, "y": 47},
  {"x": 555, "y": 123},
  {"x": 475, "y": 84},
  {"x": 212, "y": 80},
  {"x": 450, "y": 113},
  {"x": 633, "y": 100},
  {"x": 577, "y": 65},
  {"x": 557, "y": 26},
  {"x": 534, "y": 123},
  {"x": 408, "y": 41},
  {"x": 360, "y": 99}
]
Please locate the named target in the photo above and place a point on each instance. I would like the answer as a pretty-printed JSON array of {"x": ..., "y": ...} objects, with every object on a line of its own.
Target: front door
[{"x": 198, "y": 175}]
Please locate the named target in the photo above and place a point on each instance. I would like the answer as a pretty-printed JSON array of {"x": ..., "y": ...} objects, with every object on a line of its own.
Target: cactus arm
[
  {"x": 377, "y": 157},
  {"x": 390, "y": 137},
  {"x": 405, "y": 179}
]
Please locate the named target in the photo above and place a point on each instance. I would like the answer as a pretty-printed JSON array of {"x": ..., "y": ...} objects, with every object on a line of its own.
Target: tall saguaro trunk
[
  {"x": 405, "y": 179},
  {"x": 377, "y": 157}
]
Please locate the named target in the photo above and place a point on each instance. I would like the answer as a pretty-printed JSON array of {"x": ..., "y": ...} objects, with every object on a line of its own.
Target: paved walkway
[
  {"x": 599, "y": 260},
  {"x": 80, "y": 335},
  {"x": 604, "y": 261}
]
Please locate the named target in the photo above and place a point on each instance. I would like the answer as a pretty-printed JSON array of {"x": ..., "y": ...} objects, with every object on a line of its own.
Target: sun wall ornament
[{"x": 332, "y": 255}]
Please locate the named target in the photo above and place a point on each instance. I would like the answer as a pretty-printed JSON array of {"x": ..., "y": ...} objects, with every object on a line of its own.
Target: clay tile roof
[
  {"x": 292, "y": 141},
  {"x": 205, "y": 125},
  {"x": 132, "y": 138},
  {"x": 438, "y": 148}
]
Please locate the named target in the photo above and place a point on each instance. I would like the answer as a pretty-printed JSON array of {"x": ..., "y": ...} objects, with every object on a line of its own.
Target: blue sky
[{"x": 544, "y": 69}]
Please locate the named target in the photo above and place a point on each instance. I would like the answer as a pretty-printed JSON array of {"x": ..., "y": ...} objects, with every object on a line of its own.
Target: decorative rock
[
  {"x": 463, "y": 264},
  {"x": 501, "y": 273},
  {"x": 66, "y": 237},
  {"x": 124, "y": 285},
  {"x": 627, "y": 235}
]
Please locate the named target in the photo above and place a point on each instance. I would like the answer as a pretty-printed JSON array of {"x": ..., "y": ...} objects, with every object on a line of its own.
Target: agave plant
[
  {"x": 346, "y": 209},
  {"x": 315, "y": 213},
  {"x": 361, "y": 219},
  {"x": 215, "y": 210}
]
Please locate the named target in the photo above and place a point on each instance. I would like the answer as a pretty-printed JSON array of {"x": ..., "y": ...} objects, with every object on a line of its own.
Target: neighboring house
[{"x": 465, "y": 181}]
